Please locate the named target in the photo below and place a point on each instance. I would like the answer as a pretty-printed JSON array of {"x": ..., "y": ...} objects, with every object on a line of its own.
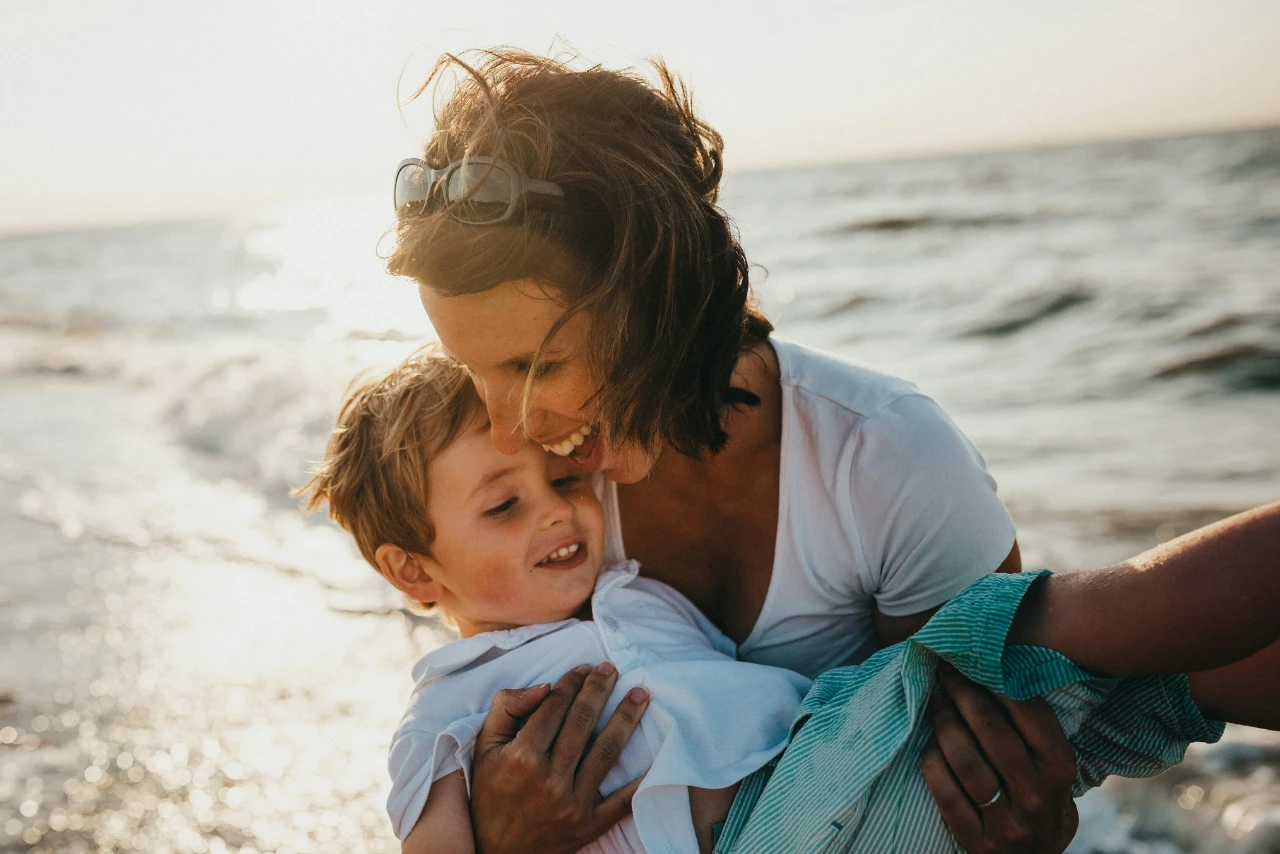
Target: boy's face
[{"x": 519, "y": 539}]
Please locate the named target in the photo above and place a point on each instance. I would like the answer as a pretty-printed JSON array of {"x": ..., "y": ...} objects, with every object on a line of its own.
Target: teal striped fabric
[{"x": 850, "y": 777}]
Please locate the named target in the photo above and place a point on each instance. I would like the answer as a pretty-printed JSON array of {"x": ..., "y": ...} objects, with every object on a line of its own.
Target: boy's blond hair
[{"x": 392, "y": 423}]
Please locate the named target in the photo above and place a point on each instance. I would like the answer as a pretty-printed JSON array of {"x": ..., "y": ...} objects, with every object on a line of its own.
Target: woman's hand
[
  {"x": 1000, "y": 770},
  {"x": 532, "y": 786}
]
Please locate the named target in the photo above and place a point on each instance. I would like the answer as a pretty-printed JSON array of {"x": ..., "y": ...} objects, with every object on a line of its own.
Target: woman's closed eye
[{"x": 545, "y": 369}]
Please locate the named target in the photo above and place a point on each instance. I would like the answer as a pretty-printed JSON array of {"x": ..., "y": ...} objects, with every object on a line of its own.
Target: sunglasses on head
[{"x": 474, "y": 190}]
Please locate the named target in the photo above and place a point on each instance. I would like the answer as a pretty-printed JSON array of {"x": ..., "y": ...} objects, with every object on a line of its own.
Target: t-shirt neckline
[{"x": 619, "y": 549}]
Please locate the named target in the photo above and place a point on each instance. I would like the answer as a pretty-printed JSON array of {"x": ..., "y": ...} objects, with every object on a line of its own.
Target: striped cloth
[{"x": 850, "y": 777}]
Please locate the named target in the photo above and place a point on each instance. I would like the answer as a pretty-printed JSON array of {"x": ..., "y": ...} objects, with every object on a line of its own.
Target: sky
[{"x": 138, "y": 111}]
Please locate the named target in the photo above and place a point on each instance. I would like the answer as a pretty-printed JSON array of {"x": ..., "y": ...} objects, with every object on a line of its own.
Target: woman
[{"x": 564, "y": 234}]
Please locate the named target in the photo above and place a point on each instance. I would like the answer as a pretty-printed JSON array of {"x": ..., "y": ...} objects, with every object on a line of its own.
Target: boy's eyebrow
[{"x": 492, "y": 476}]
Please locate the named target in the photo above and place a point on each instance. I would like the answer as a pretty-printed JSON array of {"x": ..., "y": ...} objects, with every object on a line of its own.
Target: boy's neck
[{"x": 467, "y": 630}]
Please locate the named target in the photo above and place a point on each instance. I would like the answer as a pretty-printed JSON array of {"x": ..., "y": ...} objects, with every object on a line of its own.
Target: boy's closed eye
[{"x": 500, "y": 509}]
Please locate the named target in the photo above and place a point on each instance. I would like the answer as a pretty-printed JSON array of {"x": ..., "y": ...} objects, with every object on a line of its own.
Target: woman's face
[{"x": 496, "y": 333}]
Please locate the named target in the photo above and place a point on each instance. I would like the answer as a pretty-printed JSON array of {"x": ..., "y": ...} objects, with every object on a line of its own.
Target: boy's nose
[{"x": 559, "y": 510}]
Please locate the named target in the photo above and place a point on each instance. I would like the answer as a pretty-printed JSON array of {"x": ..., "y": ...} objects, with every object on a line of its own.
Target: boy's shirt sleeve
[{"x": 417, "y": 759}]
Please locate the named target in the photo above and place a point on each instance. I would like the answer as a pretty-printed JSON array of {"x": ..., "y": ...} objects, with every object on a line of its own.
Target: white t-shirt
[
  {"x": 883, "y": 501},
  {"x": 712, "y": 720}
]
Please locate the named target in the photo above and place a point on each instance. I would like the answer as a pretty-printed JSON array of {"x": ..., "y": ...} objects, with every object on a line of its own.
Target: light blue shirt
[{"x": 850, "y": 778}]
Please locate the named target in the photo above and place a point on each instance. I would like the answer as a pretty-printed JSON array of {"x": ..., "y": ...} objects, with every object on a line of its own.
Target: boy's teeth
[{"x": 563, "y": 552}]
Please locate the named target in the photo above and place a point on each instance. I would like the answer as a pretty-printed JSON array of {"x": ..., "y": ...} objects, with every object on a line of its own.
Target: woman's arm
[
  {"x": 445, "y": 824},
  {"x": 534, "y": 784},
  {"x": 1202, "y": 601},
  {"x": 891, "y": 630}
]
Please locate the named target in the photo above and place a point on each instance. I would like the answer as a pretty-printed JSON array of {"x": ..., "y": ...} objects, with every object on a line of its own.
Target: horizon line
[{"x": 231, "y": 213}]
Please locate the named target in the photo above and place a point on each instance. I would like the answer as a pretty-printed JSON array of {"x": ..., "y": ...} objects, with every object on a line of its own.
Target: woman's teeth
[
  {"x": 561, "y": 554},
  {"x": 565, "y": 447}
]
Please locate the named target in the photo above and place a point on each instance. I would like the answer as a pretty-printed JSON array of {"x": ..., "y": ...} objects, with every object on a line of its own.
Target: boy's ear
[{"x": 412, "y": 574}]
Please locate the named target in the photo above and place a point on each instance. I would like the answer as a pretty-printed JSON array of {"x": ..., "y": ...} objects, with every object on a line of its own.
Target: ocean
[{"x": 1103, "y": 321}]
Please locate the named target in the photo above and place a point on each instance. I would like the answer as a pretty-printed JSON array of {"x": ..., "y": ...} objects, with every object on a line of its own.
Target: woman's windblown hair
[{"x": 640, "y": 244}]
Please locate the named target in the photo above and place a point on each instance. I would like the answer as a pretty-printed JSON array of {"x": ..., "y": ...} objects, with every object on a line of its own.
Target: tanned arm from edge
[{"x": 1201, "y": 601}]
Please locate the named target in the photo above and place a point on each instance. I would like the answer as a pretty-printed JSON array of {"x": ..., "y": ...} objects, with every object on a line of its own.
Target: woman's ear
[{"x": 412, "y": 574}]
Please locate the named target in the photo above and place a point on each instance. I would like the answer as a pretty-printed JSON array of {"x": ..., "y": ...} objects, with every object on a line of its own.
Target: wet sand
[{"x": 152, "y": 702}]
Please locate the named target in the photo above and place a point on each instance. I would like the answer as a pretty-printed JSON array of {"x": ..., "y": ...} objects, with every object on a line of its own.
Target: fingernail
[
  {"x": 582, "y": 669},
  {"x": 606, "y": 668},
  {"x": 537, "y": 687},
  {"x": 638, "y": 695}
]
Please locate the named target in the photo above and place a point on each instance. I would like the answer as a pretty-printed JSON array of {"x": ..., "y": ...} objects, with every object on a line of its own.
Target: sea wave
[
  {"x": 1027, "y": 311},
  {"x": 1237, "y": 367},
  {"x": 892, "y": 224}
]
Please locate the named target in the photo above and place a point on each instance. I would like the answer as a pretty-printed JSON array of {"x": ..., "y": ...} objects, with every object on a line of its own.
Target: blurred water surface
[{"x": 1103, "y": 321}]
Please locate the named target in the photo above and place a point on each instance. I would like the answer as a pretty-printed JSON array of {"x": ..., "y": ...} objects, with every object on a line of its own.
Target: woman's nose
[
  {"x": 504, "y": 425},
  {"x": 508, "y": 433}
]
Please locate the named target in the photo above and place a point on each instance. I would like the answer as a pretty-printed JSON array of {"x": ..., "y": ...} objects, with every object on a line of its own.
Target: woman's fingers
[
  {"x": 1002, "y": 750},
  {"x": 615, "y": 808},
  {"x": 539, "y": 733},
  {"x": 510, "y": 708},
  {"x": 953, "y": 803},
  {"x": 1040, "y": 729},
  {"x": 607, "y": 749},
  {"x": 961, "y": 751},
  {"x": 1035, "y": 811},
  {"x": 580, "y": 721}
]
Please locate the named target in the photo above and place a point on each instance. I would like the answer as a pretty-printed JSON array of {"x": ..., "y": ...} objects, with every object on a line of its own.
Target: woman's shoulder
[
  {"x": 836, "y": 381},
  {"x": 848, "y": 410}
]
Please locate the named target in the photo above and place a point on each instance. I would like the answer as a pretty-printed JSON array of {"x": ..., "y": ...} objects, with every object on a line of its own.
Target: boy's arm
[
  {"x": 1202, "y": 601},
  {"x": 445, "y": 824}
]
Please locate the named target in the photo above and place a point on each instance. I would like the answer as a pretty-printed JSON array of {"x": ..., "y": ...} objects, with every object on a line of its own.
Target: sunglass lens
[
  {"x": 481, "y": 183},
  {"x": 412, "y": 185}
]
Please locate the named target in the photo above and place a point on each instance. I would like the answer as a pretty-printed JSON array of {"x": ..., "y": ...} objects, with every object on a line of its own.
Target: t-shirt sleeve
[
  {"x": 924, "y": 506},
  {"x": 416, "y": 761}
]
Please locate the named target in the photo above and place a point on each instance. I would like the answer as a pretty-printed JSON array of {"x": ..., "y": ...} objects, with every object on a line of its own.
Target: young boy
[{"x": 509, "y": 548}]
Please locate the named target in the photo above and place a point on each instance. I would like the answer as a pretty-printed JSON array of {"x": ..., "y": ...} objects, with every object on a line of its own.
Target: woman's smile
[{"x": 565, "y": 444}]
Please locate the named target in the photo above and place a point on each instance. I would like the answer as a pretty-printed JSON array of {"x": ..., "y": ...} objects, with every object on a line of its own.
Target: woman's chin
[{"x": 627, "y": 467}]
